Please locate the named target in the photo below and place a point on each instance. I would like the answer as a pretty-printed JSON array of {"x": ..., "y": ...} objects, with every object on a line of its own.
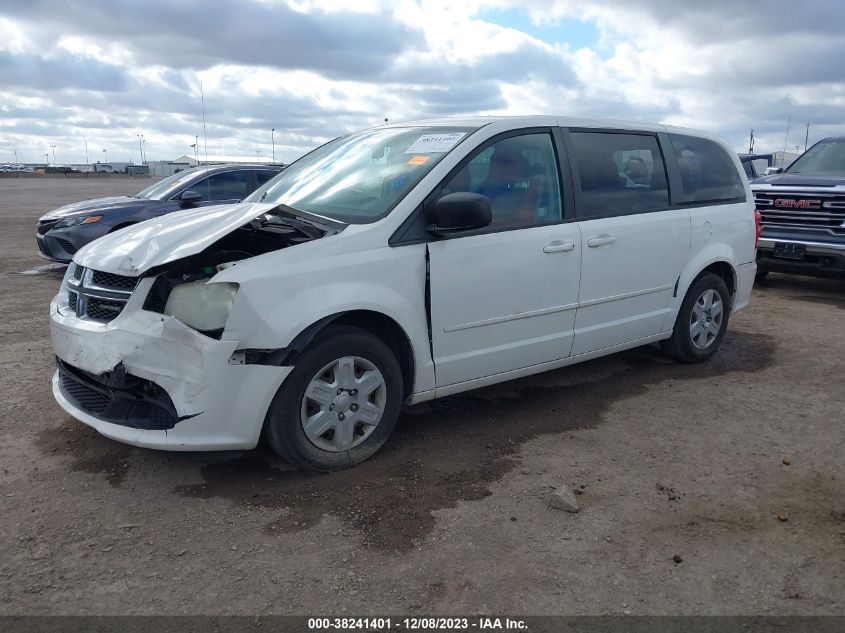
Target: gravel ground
[{"x": 709, "y": 489}]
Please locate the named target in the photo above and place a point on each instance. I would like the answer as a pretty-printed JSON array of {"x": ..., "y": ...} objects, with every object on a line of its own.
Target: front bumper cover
[{"x": 218, "y": 403}]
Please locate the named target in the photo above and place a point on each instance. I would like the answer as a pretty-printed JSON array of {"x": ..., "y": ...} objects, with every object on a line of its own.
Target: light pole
[
  {"x": 196, "y": 147},
  {"x": 47, "y": 159},
  {"x": 53, "y": 147},
  {"x": 196, "y": 155},
  {"x": 87, "y": 162},
  {"x": 259, "y": 155},
  {"x": 144, "y": 152},
  {"x": 15, "y": 150},
  {"x": 140, "y": 147},
  {"x": 273, "y": 141},
  {"x": 106, "y": 153}
]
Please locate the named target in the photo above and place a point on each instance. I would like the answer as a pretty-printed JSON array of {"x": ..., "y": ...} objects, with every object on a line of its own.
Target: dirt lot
[{"x": 735, "y": 466}]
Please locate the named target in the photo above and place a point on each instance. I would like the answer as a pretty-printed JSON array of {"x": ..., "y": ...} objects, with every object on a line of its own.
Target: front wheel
[
  {"x": 340, "y": 402},
  {"x": 702, "y": 320}
]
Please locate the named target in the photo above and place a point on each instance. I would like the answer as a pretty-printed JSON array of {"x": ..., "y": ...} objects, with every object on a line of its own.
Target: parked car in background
[
  {"x": 397, "y": 265},
  {"x": 63, "y": 231},
  {"x": 755, "y": 165},
  {"x": 803, "y": 213}
]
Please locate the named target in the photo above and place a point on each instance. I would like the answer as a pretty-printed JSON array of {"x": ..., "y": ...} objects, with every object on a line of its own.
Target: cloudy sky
[{"x": 73, "y": 71}]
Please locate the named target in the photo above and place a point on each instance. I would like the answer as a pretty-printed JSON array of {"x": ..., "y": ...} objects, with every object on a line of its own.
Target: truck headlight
[{"x": 201, "y": 305}]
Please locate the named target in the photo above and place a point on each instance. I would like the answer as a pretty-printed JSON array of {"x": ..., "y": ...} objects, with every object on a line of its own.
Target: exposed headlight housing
[
  {"x": 80, "y": 219},
  {"x": 201, "y": 305},
  {"x": 62, "y": 297}
]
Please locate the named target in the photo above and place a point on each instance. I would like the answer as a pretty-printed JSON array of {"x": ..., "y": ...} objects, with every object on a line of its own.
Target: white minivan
[{"x": 397, "y": 265}]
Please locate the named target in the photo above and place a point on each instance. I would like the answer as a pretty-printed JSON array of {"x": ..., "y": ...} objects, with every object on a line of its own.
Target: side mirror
[
  {"x": 459, "y": 212},
  {"x": 190, "y": 197}
]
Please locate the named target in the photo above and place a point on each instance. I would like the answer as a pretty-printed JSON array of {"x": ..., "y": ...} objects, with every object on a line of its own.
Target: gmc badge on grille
[{"x": 786, "y": 203}]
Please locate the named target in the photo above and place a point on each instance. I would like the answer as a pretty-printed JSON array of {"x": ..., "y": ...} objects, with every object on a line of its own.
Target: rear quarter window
[{"x": 708, "y": 173}]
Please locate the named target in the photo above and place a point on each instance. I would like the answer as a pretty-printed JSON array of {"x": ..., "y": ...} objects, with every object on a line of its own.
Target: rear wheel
[
  {"x": 702, "y": 320},
  {"x": 340, "y": 402}
]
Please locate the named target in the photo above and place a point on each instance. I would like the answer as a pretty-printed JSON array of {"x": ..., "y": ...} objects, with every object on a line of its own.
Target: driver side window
[
  {"x": 520, "y": 177},
  {"x": 201, "y": 187}
]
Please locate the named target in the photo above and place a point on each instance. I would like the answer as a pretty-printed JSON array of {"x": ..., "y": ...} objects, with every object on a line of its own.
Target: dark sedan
[{"x": 65, "y": 230}]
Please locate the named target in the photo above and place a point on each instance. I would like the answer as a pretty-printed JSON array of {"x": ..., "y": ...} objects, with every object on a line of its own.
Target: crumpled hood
[
  {"x": 99, "y": 205},
  {"x": 802, "y": 180},
  {"x": 139, "y": 247}
]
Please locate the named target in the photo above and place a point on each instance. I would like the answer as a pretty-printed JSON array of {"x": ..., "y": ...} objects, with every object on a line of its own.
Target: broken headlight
[{"x": 201, "y": 305}]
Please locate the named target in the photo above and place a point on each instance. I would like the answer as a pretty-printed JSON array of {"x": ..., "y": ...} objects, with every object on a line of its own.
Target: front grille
[
  {"x": 811, "y": 212},
  {"x": 67, "y": 246},
  {"x": 88, "y": 399},
  {"x": 45, "y": 225},
  {"x": 110, "y": 280},
  {"x": 97, "y": 295},
  {"x": 102, "y": 309}
]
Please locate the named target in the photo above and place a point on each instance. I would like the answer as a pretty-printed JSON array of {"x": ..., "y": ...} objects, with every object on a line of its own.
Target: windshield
[
  {"x": 165, "y": 188},
  {"x": 360, "y": 178},
  {"x": 825, "y": 156}
]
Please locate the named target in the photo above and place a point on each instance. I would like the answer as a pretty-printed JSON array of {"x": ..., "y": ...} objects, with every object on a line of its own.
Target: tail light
[{"x": 758, "y": 227}]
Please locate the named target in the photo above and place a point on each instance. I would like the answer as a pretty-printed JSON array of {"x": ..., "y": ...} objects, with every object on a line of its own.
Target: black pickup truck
[{"x": 803, "y": 213}]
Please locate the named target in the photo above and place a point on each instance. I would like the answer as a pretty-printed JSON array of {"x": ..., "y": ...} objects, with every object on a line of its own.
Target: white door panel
[
  {"x": 503, "y": 301},
  {"x": 629, "y": 268}
]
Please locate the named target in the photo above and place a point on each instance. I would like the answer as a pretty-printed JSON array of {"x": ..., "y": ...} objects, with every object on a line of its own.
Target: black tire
[
  {"x": 680, "y": 345},
  {"x": 283, "y": 427},
  {"x": 761, "y": 276}
]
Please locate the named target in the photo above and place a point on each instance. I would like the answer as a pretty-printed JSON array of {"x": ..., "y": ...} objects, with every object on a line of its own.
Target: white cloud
[{"x": 313, "y": 69}]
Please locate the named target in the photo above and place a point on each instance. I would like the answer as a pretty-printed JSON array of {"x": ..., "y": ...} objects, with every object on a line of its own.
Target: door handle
[
  {"x": 601, "y": 240},
  {"x": 559, "y": 247}
]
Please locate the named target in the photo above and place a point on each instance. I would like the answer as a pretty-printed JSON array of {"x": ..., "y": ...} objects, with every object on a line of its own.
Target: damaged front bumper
[{"x": 149, "y": 380}]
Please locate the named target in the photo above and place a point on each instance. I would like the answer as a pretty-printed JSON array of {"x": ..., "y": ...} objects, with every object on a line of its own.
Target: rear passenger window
[
  {"x": 708, "y": 173},
  {"x": 620, "y": 174}
]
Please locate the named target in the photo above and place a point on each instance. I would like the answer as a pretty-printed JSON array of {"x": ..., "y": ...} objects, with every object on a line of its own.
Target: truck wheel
[
  {"x": 339, "y": 404},
  {"x": 701, "y": 322}
]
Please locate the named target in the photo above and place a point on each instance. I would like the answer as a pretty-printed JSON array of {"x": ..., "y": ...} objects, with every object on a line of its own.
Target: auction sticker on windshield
[{"x": 434, "y": 143}]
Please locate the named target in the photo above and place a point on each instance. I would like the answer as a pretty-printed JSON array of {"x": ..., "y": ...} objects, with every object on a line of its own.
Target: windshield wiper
[
  {"x": 304, "y": 228},
  {"x": 324, "y": 224}
]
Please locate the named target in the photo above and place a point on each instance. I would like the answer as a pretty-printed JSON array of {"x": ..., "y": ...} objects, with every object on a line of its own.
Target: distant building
[
  {"x": 185, "y": 161},
  {"x": 108, "y": 168},
  {"x": 783, "y": 159},
  {"x": 138, "y": 170},
  {"x": 163, "y": 168},
  {"x": 219, "y": 159}
]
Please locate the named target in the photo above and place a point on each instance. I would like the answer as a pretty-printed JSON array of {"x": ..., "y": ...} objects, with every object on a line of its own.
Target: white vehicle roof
[{"x": 516, "y": 122}]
